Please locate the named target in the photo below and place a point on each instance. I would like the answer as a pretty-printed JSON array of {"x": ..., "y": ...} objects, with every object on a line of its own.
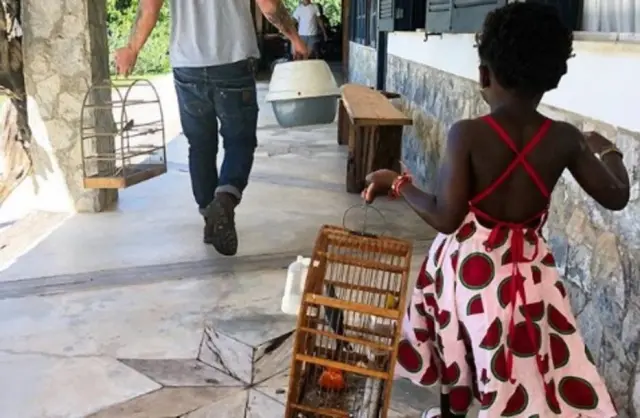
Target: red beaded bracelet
[{"x": 400, "y": 181}]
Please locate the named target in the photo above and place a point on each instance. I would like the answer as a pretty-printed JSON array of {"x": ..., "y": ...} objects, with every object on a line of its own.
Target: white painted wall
[{"x": 603, "y": 81}]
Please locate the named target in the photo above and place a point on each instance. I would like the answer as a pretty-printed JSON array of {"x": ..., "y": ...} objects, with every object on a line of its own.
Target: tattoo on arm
[
  {"x": 146, "y": 19},
  {"x": 134, "y": 27},
  {"x": 281, "y": 19}
]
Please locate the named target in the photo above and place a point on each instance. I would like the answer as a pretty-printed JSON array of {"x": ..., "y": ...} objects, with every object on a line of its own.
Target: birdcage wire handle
[{"x": 363, "y": 231}]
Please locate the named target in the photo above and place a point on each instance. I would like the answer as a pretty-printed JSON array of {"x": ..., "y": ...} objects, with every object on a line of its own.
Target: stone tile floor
[
  {"x": 121, "y": 322},
  {"x": 241, "y": 370},
  {"x": 182, "y": 348}
]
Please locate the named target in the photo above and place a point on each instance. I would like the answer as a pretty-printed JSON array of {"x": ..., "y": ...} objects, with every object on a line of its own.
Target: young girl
[{"x": 489, "y": 317}]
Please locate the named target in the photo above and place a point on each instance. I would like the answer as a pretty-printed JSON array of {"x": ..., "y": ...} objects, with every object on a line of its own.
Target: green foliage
[{"x": 153, "y": 58}]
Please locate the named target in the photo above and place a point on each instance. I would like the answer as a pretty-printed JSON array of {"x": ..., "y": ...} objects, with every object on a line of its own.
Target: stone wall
[
  {"x": 65, "y": 52},
  {"x": 362, "y": 64},
  {"x": 598, "y": 251}
]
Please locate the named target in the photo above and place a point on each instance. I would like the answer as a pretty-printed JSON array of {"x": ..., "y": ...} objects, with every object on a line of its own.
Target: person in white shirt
[{"x": 310, "y": 26}]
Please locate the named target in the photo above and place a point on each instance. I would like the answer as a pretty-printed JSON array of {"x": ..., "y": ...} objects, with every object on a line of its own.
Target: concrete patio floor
[{"x": 127, "y": 314}]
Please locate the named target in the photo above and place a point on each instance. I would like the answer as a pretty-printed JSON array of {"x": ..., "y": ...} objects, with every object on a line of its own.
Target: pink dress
[{"x": 489, "y": 319}]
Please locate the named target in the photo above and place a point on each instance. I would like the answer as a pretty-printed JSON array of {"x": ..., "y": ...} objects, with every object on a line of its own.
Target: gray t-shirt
[{"x": 211, "y": 32}]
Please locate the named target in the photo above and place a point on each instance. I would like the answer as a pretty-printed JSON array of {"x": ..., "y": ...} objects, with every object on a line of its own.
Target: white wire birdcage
[{"x": 122, "y": 135}]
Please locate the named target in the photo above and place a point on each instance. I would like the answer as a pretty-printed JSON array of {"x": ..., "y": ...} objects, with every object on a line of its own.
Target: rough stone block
[
  {"x": 179, "y": 372},
  {"x": 272, "y": 357},
  {"x": 248, "y": 362},
  {"x": 227, "y": 354},
  {"x": 260, "y": 405},
  {"x": 577, "y": 270},
  {"x": 64, "y": 55},
  {"x": 277, "y": 387},
  {"x": 579, "y": 229},
  {"x": 233, "y": 405},
  {"x": 171, "y": 402}
]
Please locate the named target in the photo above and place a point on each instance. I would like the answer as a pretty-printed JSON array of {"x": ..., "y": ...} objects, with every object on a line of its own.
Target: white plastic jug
[{"x": 294, "y": 286}]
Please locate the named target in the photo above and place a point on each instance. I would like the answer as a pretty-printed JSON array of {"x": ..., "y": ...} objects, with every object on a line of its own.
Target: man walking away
[
  {"x": 213, "y": 46},
  {"x": 310, "y": 26}
]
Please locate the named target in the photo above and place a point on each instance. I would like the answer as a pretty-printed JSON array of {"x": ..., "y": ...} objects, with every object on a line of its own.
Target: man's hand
[
  {"x": 300, "y": 50},
  {"x": 125, "y": 59},
  {"x": 146, "y": 19}
]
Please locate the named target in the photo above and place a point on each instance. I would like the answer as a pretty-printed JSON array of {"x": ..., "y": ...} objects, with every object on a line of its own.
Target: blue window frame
[{"x": 360, "y": 21}]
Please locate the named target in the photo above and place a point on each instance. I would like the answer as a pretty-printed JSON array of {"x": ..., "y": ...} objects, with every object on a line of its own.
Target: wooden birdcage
[
  {"x": 122, "y": 134},
  {"x": 349, "y": 326}
]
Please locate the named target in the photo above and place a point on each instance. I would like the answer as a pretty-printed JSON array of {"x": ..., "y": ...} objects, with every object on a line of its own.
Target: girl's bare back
[{"x": 562, "y": 147}]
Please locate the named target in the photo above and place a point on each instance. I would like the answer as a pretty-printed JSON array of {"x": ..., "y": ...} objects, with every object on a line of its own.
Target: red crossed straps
[
  {"x": 516, "y": 288},
  {"x": 519, "y": 160}
]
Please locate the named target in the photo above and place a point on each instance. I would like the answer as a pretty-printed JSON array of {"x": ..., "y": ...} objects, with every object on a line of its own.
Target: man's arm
[
  {"x": 320, "y": 22},
  {"x": 322, "y": 27},
  {"x": 278, "y": 15},
  {"x": 146, "y": 19}
]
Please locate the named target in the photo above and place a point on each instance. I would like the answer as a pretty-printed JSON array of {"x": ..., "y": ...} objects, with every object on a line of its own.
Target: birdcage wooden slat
[{"x": 349, "y": 326}]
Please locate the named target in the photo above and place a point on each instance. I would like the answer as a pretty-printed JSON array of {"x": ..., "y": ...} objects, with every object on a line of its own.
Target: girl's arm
[
  {"x": 605, "y": 179},
  {"x": 445, "y": 209}
]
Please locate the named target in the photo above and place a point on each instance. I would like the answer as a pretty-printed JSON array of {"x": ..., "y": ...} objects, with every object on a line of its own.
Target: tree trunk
[
  {"x": 15, "y": 138},
  {"x": 16, "y": 162}
]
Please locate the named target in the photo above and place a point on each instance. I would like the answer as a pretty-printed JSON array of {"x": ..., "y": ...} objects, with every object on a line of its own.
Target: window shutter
[
  {"x": 438, "y": 19},
  {"x": 373, "y": 23},
  {"x": 386, "y": 15},
  {"x": 361, "y": 21},
  {"x": 468, "y": 15}
]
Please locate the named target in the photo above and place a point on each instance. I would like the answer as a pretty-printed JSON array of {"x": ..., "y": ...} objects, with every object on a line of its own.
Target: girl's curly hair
[{"x": 526, "y": 46}]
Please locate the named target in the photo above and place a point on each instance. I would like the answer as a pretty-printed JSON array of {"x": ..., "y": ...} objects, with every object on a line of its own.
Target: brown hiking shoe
[
  {"x": 208, "y": 234},
  {"x": 220, "y": 227}
]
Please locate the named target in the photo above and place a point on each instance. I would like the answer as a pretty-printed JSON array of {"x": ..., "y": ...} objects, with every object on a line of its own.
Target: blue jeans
[{"x": 220, "y": 99}]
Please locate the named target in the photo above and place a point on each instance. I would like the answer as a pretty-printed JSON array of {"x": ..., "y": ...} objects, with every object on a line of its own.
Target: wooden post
[
  {"x": 346, "y": 30},
  {"x": 343, "y": 124}
]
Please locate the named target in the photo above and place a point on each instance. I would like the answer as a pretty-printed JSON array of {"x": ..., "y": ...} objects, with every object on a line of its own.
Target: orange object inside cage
[{"x": 331, "y": 379}]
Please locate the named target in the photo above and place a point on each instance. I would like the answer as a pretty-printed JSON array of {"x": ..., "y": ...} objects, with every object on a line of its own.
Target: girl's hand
[{"x": 380, "y": 183}]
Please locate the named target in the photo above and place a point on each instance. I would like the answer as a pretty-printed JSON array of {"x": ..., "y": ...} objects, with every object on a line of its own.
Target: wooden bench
[{"x": 372, "y": 127}]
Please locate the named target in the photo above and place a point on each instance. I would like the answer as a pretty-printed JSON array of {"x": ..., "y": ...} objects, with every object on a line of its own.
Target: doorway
[{"x": 274, "y": 46}]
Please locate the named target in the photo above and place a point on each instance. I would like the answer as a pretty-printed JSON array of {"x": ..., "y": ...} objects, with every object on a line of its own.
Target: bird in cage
[
  {"x": 333, "y": 379},
  {"x": 335, "y": 319}
]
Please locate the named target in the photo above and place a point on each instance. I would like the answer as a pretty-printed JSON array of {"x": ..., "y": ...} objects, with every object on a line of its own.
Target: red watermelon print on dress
[{"x": 489, "y": 320}]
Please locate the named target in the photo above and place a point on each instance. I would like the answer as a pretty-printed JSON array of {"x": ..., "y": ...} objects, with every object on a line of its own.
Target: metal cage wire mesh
[
  {"x": 122, "y": 134},
  {"x": 349, "y": 326}
]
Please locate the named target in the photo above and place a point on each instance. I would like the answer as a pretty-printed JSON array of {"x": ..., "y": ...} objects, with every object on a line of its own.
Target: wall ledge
[
  {"x": 625, "y": 38},
  {"x": 612, "y": 98},
  {"x": 615, "y": 37}
]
